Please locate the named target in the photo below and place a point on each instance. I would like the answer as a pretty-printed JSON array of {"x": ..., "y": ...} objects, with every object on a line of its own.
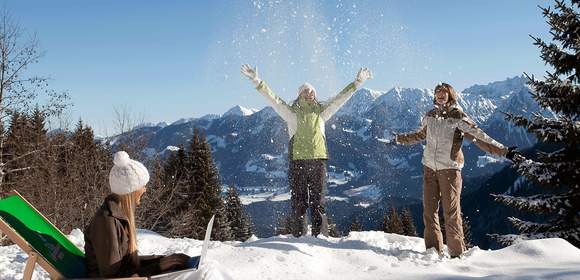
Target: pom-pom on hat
[{"x": 127, "y": 175}]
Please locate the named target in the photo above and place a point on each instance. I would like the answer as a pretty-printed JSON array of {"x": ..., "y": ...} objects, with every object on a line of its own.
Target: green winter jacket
[{"x": 306, "y": 120}]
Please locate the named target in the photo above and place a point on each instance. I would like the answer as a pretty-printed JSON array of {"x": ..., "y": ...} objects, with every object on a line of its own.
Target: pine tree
[
  {"x": 557, "y": 170},
  {"x": 187, "y": 178},
  {"x": 148, "y": 215},
  {"x": 89, "y": 164},
  {"x": 194, "y": 165},
  {"x": 39, "y": 132},
  {"x": 283, "y": 224},
  {"x": 177, "y": 193},
  {"x": 182, "y": 175},
  {"x": 355, "y": 225},
  {"x": 168, "y": 196},
  {"x": 408, "y": 223},
  {"x": 239, "y": 221},
  {"x": 386, "y": 222},
  {"x": 466, "y": 231},
  {"x": 17, "y": 144},
  {"x": 204, "y": 195},
  {"x": 392, "y": 222},
  {"x": 174, "y": 168},
  {"x": 70, "y": 178},
  {"x": 332, "y": 229},
  {"x": 38, "y": 178},
  {"x": 23, "y": 152},
  {"x": 212, "y": 193}
]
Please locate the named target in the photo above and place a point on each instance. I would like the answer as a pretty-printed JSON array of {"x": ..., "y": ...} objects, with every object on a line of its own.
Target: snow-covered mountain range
[{"x": 250, "y": 146}]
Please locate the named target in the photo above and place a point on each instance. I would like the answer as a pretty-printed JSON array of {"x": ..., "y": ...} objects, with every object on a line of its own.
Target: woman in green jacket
[{"x": 307, "y": 152}]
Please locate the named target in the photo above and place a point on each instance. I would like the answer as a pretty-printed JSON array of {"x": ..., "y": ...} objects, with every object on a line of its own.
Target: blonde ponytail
[{"x": 128, "y": 203}]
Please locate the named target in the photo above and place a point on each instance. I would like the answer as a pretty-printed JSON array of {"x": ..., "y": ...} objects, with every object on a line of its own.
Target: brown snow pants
[
  {"x": 445, "y": 186},
  {"x": 307, "y": 188}
]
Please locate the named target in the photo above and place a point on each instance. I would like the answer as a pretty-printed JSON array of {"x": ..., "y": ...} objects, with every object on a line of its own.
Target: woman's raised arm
[{"x": 279, "y": 105}]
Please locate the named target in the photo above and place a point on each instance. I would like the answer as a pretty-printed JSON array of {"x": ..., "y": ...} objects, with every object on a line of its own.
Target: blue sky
[{"x": 166, "y": 60}]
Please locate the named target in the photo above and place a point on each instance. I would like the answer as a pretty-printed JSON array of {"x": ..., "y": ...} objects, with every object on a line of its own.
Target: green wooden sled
[{"x": 41, "y": 240}]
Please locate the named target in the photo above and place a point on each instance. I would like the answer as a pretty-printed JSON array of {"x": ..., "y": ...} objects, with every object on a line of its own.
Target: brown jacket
[
  {"x": 107, "y": 245},
  {"x": 444, "y": 129}
]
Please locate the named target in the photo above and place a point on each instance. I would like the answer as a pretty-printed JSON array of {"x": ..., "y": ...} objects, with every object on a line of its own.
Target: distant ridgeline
[{"x": 250, "y": 148}]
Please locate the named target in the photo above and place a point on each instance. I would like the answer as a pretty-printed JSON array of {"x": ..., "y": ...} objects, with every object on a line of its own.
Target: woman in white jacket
[{"x": 443, "y": 128}]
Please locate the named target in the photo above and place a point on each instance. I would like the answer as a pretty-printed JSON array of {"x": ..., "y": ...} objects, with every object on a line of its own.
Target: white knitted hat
[
  {"x": 127, "y": 175},
  {"x": 307, "y": 86}
]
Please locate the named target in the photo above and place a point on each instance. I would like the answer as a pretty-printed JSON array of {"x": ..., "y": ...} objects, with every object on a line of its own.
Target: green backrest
[{"x": 47, "y": 240}]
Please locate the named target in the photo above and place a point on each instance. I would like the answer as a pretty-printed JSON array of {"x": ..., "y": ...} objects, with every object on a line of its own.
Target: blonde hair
[{"x": 128, "y": 203}]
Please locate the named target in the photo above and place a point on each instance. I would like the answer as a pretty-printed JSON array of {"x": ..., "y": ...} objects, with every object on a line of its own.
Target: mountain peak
[
  {"x": 150, "y": 124},
  {"x": 240, "y": 111},
  {"x": 406, "y": 95},
  {"x": 509, "y": 85},
  {"x": 360, "y": 102},
  {"x": 182, "y": 121},
  {"x": 369, "y": 93}
]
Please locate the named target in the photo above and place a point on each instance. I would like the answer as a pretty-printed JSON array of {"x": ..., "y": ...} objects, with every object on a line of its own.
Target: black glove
[
  {"x": 173, "y": 262},
  {"x": 393, "y": 140},
  {"x": 388, "y": 142},
  {"x": 514, "y": 155}
]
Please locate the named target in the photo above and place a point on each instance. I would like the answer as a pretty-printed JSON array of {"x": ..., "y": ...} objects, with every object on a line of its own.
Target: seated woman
[{"x": 110, "y": 238}]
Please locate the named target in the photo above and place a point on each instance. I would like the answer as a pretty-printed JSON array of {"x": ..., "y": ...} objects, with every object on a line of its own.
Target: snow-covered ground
[
  {"x": 369, "y": 191},
  {"x": 265, "y": 196},
  {"x": 362, "y": 255}
]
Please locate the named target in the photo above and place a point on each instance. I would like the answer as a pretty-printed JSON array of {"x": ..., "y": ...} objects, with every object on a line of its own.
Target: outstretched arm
[
  {"x": 480, "y": 139},
  {"x": 279, "y": 105},
  {"x": 413, "y": 137},
  {"x": 334, "y": 104}
]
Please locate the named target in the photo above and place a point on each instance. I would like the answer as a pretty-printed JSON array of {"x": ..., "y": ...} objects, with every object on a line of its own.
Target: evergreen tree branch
[
  {"x": 571, "y": 234},
  {"x": 560, "y": 96},
  {"x": 551, "y": 174},
  {"x": 535, "y": 203},
  {"x": 529, "y": 227}
]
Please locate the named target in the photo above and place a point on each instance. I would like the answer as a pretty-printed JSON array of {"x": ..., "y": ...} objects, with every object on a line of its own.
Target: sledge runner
[
  {"x": 444, "y": 128},
  {"x": 307, "y": 153},
  {"x": 110, "y": 238}
]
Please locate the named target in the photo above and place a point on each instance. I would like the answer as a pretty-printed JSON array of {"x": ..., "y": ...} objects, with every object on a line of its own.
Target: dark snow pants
[
  {"x": 445, "y": 186},
  {"x": 307, "y": 188}
]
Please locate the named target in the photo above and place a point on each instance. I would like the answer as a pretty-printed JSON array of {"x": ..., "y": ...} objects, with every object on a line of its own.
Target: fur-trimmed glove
[{"x": 514, "y": 155}]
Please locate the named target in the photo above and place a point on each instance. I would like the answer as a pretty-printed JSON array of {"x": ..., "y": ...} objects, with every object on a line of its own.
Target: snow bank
[
  {"x": 362, "y": 255},
  {"x": 368, "y": 191},
  {"x": 265, "y": 196}
]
